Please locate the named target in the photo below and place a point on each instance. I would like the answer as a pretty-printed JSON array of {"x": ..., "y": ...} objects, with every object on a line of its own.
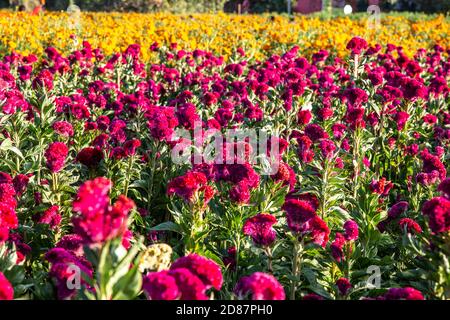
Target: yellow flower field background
[{"x": 260, "y": 35}]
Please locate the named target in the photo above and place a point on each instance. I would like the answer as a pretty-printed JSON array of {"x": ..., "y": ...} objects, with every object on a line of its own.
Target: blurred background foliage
[{"x": 190, "y": 6}]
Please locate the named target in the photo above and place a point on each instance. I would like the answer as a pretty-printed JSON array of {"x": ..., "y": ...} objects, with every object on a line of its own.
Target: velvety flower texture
[
  {"x": 298, "y": 212},
  {"x": 260, "y": 229},
  {"x": 63, "y": 128},
  {"x": 351, "y": 230},
  {"x": 96, "y": 221},
  {"x": 302, "y": 219},
  {"x": 55, "y": 156},
  {"x": 61, "y": 263},
  {"x": 357, "y": 45},
  {"x": 344, "y": 286},
  {"x": 6, "y": 289},
  {"x": 160, "y": 286},
  {"x": 260, "y": 286},
  {"x": 407, "y": 293},
  {"x": 207, "y": 270},
  {"x": 444, "y": 187},
  {"x": 410, "y": 225},
  {"x": 90, "y": 156},
  {"x": 51, "y": 217},
  {"x": 189, "y": 278},
  {"x": 189, "y": 185},
  {"x": 438, "y": 212},
  {"x": 337, "y": 247}
]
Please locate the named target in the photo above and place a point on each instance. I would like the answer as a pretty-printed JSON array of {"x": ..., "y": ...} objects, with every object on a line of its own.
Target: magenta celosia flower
[
  {"x": 438, "y": 212},
  {"x": 298, "y": 212},
  {"x": 401, "y": 118},
  {"x": 160, "y": 286},
  {"x": 97, "y": 221},
  {"x": 304, "y": 117},
  {"x": 337, "y": 247},
  {"x": 6, "y": 289},
  {"x": 410, "y": 225},
  {"x": 51, "y": 217},
  {"x": 20, "y": 183},
  {"x": 187, "y": 186},
  {"x": 161, "y": 122},
  {"x": 63, "y": 263},
  {"x": 260, "y": 229},
  {"x": 43, "y": 80},
  {"x": 397, "y": 209},
  {"x": 407, "y": 293},
  {"x": 55, "y": 156},
  {"x": 381, "y": 187},
  {"x": 260, "y": 286},
  {"x": 344, "y": 286},
  {"x": 90, "y": 156},
  {"x": 355, "y": 97},
  {"x": 285, "y": 174},
  {"x": 444, "y": 187},
  {"x": 315, "y": 132},
  {"x": 317, "y": 230},
  {"x": 72, "y": 243},
  {"x": 131, "y": 146},
  {"x": 357, "y": 45},
  {"x": 205, "y": 269},
  {"x": 63, "y": 128},
  {"x": 327, "y": 147},
  {"x": 351, "y": 230},
  {"x": 189, "y": 285}
]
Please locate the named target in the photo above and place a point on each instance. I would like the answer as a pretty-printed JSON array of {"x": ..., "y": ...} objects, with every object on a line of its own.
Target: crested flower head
[
  {"x": 207, "y": 270},
  {"x": 97, "y": 221},
  {"x": 260, "y": 286},
  {"x": 56, "y": 155},
  {"x": 260, "y": 229}
]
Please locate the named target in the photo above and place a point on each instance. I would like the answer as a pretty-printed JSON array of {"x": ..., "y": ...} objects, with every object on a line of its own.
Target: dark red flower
[
  {"x": 260, "y": 286},
  {"x": 260, "y": 229}
]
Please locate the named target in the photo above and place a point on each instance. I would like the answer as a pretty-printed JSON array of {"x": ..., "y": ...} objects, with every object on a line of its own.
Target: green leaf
[{"x": 167, "y": 226}]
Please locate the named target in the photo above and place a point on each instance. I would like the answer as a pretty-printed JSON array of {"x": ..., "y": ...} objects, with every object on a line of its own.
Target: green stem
[
  {"x": 296, "y": 266},
  {"x": 127, "y": 180}
]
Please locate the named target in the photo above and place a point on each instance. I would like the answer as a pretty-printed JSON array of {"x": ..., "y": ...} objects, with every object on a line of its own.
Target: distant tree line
[{"x": 255, "y": 6}]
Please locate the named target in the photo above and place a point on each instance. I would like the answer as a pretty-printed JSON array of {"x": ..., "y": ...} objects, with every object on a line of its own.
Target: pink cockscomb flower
[
  {"x": 6, "y": 289},
  {"x": 63, "y": 128},
  {"x": 260, "y": 286},
  {"x": 188, "y": 185},
  {"x": 55, "y": 156},
  {"x": 398, "y": 209},
  {"x": 407, "y": 293},
  {"x": 351, "y": 230},
  {"x": 357, "y": 45},
  {"x": 189, "y": 285},
  {"x": 160, "y": 286},
  {"x": 438, "y": 212},
  {"x": 344, "y": 286},
  {"x": 260, "y": 229},
  {"x": 51, "y": 217},
  {"x": 298, "y": 212},
  {"x": 205, "y": 269},
  {"x": 410, "y": 225},
  {"x": 381, "y": 187},
  {"x": 97, "y": 221},
  {"x": 444, "y": 187}
]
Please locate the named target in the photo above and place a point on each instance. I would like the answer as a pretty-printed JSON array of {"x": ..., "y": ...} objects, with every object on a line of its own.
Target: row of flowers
[{"x": 260, "y": 35}]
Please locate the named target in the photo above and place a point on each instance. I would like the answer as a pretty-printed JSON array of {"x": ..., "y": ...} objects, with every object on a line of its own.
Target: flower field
[
  {"x": 260, "y": 35},
  {"x": 189, "y": 159}
]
